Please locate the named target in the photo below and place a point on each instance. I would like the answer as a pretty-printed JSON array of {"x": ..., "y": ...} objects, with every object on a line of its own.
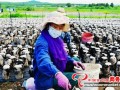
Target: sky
[{"x": 70, "y": 1}]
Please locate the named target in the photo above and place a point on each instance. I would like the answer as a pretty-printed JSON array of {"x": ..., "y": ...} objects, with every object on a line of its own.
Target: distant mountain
[
  {"x": 29, "y": 2},
  {"x": 19, "y": 4},
  {"x": 36, "y": 2}
]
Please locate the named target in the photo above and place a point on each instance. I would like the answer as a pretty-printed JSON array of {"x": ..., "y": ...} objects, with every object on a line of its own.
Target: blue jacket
[{"x": 44, "y": 69}]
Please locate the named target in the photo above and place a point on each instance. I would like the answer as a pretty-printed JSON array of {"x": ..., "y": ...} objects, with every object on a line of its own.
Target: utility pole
[
  {"x": 78, "y": 14},
  {"x": 106, "y": 15}
]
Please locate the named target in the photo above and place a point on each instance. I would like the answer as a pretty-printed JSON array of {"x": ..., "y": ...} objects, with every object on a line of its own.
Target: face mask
[{"x": 54, "y": 33}]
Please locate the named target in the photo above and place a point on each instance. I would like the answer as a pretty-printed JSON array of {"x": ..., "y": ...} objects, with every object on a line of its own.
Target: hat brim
[{"x": 57, "y": 19}]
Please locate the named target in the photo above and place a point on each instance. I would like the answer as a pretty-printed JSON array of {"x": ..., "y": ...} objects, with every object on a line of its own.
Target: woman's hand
[
  {"x": 79, "y": 64},
  {"x": 63, "y": 81}
]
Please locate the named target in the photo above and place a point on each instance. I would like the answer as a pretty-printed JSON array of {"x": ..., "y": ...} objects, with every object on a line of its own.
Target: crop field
[{"x": 21, "y": 33}]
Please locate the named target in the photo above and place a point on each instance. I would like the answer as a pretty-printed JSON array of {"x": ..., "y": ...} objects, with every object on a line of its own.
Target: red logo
[{"x": 80, "y": 84}]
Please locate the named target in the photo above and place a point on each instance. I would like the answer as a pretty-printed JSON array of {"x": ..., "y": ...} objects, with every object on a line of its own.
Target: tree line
[{"x": 98, "y": 5}]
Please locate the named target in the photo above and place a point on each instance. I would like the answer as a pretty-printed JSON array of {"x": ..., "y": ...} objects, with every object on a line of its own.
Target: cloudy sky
[{"x": 70, "y": 1}]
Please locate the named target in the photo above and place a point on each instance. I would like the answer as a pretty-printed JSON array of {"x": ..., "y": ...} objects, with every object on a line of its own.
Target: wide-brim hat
[
  {"x": 57, "y": 18},
  {"x": 61, "y": 10}
]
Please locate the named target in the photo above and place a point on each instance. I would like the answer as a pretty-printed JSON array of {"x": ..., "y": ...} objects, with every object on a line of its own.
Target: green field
[{"x": 36, "y": 7}]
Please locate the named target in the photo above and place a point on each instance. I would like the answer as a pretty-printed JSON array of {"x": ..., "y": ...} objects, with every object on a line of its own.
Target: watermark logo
[
  {"x": 75, "y": 77},
  {"x": 84, "y": 80}
]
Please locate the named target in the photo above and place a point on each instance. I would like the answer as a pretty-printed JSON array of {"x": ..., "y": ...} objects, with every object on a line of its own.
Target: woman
[{"x": 51, "y": 62}]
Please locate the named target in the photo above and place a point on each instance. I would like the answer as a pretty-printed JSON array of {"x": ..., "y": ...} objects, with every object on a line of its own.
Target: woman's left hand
[{"x": 79, "y": 64}]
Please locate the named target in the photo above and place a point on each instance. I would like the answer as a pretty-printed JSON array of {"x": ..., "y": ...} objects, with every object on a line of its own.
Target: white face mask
[{"x": 54, "y": 33}]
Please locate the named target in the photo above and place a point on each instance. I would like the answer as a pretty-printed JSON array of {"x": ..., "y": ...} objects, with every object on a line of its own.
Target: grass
[
  {"x": 20, "y": 12},
  {"x": 98, "y": 17},
  {"x": 21, "y": 15},
  {"x": 115, "y": 10},
  {"x": 110, "y": 11}
]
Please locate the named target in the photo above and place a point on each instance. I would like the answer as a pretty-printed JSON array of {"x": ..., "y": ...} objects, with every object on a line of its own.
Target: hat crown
[
  {"x": 62, "y": 10},
  {"x": 56, "y": 18}
]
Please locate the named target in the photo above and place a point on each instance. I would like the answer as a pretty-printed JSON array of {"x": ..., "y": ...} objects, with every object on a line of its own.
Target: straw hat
[
  {"x": 61, "y": 10},
  {"x": 57, "y": 18}
]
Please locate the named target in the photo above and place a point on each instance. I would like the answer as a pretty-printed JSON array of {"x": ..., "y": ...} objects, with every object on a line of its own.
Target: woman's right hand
[{"x": 63, "y": 81}]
